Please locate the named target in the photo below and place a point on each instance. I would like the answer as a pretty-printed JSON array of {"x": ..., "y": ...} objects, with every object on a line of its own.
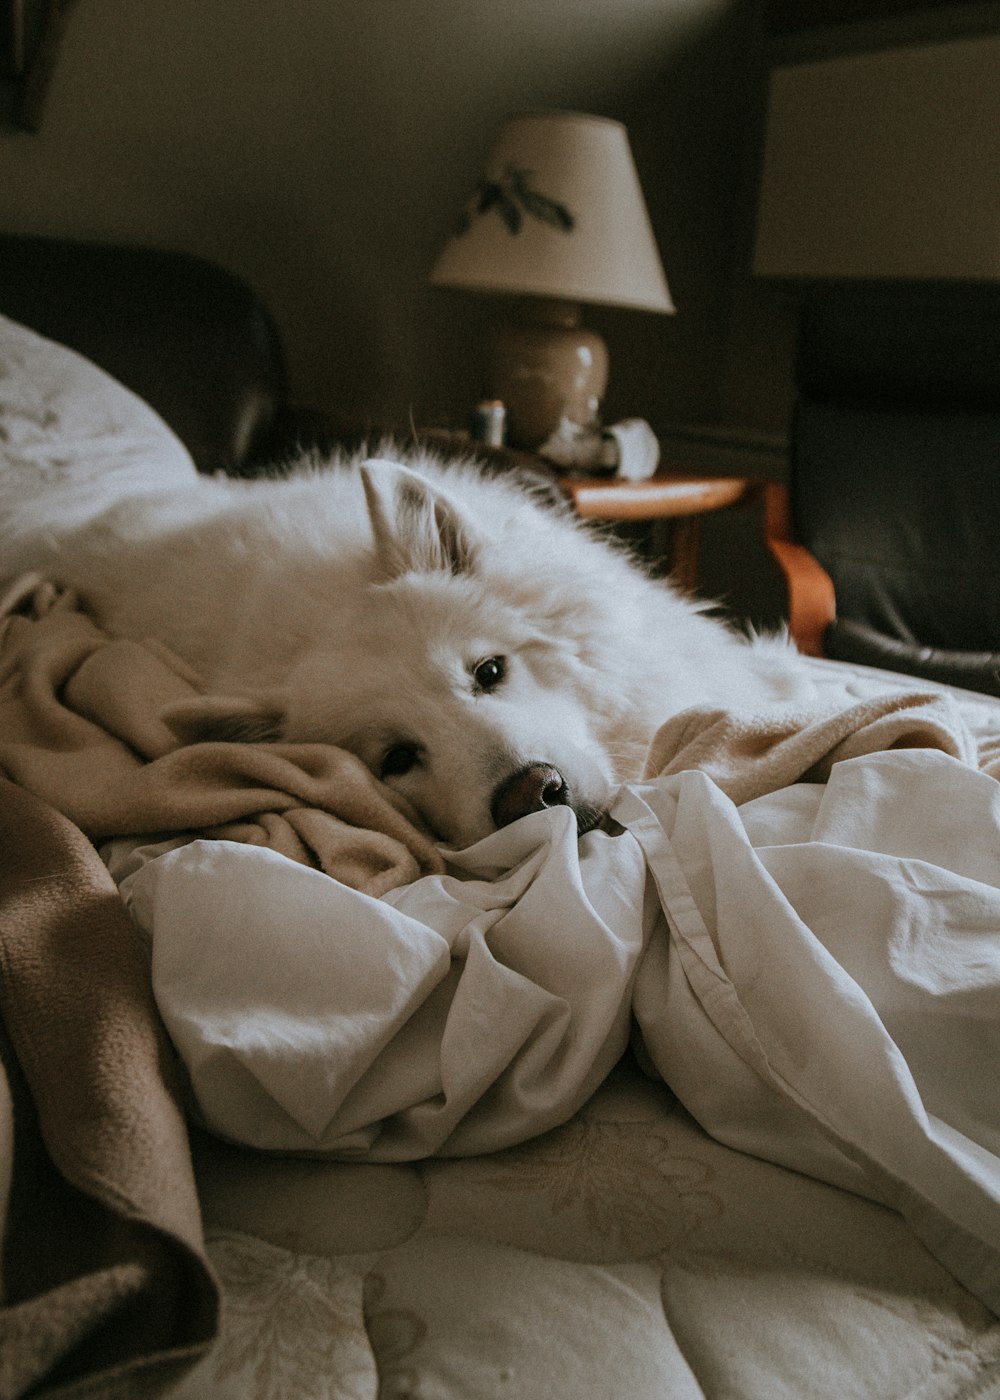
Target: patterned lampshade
[{"x": 559, "y": 213}]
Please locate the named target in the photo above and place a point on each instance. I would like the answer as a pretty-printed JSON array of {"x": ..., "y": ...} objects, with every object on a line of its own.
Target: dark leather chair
[
  {"x": 183, "y": 333},
  {"x": 888, "y": 529}
]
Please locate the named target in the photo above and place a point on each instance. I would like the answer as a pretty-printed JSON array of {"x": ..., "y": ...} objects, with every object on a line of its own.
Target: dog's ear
[
  {"x": 416, "y": 528},
  {"x": 231, "y": 719}
]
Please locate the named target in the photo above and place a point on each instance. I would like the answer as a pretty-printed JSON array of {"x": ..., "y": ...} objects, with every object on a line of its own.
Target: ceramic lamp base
[{"x": 549, "y": 370}]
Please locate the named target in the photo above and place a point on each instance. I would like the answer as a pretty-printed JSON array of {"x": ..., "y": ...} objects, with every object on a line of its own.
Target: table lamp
[{"x": 557, "y": 219}]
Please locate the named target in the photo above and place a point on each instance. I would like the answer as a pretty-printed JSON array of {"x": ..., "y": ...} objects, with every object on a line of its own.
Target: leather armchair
[{"x": 888, "y": 529}]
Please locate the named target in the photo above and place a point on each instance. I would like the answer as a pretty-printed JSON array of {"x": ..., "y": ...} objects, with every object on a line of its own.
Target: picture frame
[{"x": 30, "y": 35}]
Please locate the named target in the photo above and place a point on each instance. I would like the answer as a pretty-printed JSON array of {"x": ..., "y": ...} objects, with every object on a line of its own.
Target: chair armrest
[
  {"x": 812, "y": 603},
  {"x": 860, "y": 644}
]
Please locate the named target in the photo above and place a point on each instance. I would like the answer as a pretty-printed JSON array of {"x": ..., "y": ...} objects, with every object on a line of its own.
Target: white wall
[{"x": 322, "y": 148}]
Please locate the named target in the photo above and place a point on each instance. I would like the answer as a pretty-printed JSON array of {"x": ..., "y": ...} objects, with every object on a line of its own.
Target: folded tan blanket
[{"x": 81, "y": 727}]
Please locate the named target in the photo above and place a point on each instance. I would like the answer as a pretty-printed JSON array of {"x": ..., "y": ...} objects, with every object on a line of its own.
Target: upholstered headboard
[{"x": 189, "y": 337}]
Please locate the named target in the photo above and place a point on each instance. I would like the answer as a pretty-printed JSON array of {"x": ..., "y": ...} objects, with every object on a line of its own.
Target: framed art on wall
[{"x": 30, "y": 33}]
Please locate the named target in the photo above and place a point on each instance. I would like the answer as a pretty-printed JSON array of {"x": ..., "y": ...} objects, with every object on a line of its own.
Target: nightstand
[{"x": 675, "y": 498}]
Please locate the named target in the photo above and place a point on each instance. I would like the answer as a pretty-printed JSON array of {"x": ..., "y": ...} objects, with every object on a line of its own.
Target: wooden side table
[
  {"x": 679, "y": 497},
  {"x": 674, "y": 495}
]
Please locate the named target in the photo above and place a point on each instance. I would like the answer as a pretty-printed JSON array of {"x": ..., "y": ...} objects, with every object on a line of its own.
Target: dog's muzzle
[{"x": 533, "y": 788}]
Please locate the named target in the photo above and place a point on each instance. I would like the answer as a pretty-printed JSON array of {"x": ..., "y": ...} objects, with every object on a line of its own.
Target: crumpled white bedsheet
[
  {"x": 455, "y": 1015},
  {"x": 825, "y": 991},
  {"x": 816, "y": 975}
]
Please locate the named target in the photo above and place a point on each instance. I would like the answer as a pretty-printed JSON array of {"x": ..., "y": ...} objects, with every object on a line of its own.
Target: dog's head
[{"x": 451, "y": 694}]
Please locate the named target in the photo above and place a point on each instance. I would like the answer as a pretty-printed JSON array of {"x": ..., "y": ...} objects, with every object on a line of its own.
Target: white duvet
[{"x": 816, "y": 974}]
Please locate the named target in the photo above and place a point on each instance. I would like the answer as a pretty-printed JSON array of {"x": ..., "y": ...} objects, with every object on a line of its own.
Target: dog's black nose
[{"x": 531, "y": 789}]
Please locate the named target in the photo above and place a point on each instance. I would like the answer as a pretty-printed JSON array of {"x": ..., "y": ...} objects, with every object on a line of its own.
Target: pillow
[{"x": 72, "y": 441}]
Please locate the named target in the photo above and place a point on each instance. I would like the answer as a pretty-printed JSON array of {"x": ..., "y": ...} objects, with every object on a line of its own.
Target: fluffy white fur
[{"x": 355, "y": 603}]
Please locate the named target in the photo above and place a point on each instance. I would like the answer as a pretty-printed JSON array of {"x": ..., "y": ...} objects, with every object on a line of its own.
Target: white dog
[{"x": 482, "y": 652}]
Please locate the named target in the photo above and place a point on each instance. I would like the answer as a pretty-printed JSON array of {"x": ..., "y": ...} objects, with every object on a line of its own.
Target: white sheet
[
  {"x": 817, "y": 978},
  {"x": 827, "y": 992},
  {"x": 458, "y": 1014}
]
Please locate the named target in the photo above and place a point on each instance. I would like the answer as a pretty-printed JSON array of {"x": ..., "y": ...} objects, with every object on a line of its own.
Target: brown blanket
[{"x": 105, "y": 1286}]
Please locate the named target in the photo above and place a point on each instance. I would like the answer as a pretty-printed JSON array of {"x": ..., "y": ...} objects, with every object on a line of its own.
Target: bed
[{"x": 703, "y": 1105}]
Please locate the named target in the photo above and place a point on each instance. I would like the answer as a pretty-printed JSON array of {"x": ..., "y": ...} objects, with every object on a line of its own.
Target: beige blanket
[
  {"x": 81, "y": 727},
  {"x": 750, "y": 755}
]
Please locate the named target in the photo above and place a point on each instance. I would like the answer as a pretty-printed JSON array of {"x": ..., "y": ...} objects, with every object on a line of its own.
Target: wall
[{"x": 322, "y": 148}]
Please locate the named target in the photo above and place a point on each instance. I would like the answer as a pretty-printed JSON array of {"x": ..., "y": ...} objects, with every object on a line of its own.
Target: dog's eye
[
  {"x": 399, "y": 760},
  {"x": 490, "y": 673}
]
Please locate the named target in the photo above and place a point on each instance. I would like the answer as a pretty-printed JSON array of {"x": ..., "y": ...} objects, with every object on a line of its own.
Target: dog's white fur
[{"x": 353, "y": 603}]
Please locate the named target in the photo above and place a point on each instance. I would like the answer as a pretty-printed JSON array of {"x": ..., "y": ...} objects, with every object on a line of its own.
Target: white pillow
[{"x": 72, "y": 441}]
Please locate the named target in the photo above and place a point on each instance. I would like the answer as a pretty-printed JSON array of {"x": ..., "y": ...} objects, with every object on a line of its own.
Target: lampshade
[
  {"x": 557, "y": 219},
  {"x": 559, "y": 213},
  {"x": 884, "y": 164}
]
